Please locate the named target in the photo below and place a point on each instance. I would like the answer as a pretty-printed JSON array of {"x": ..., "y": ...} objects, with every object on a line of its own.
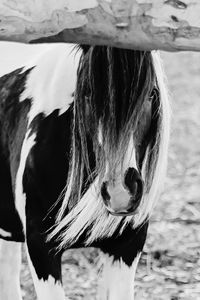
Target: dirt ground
[{"x": 170, "y": 265}]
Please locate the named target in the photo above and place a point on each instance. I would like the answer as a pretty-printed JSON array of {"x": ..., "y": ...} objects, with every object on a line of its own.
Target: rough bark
[{"x": 170, "y": 25}]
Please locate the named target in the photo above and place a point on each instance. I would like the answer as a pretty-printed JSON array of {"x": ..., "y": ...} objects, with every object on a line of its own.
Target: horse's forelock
[{"x": 112, "y": 86}]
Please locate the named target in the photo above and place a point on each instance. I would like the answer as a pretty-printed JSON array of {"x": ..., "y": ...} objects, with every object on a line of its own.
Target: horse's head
[
  {"x": 119, "y": 145},
  {"x": 116, "y": 106}
]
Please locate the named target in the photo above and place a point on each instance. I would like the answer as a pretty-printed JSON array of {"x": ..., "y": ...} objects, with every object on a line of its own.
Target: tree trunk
[{"x": 170, "y": 25}]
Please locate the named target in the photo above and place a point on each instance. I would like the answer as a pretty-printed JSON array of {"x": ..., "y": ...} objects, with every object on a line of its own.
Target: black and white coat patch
[{"x": 36, "y": 120}]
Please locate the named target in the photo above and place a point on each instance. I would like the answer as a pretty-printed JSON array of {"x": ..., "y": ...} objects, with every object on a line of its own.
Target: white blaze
[{"x": 119, "y": 195}]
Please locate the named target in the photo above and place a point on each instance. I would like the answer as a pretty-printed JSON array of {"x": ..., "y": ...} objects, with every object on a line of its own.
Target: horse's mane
[{"x": 112, "y": 85}]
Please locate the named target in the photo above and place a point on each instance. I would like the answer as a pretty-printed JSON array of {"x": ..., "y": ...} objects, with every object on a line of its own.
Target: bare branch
[{"x": 170, "y": 25}]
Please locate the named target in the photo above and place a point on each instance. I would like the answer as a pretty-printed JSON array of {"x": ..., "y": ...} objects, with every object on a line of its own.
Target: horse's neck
[{"x": 52, "y": 81}]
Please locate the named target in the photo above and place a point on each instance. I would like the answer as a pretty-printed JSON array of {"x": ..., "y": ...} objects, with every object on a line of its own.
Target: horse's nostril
[
  {"x": 104, "y": 192},
  {"x": 133, "y": 183},
  {"x": 139, "y": 189}
]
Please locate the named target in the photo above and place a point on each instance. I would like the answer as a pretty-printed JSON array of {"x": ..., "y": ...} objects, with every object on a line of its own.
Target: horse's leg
[
  {"x": 118, "y": 279},
  {"x": 121, "y": 259},
  {"x": 45, "y": 267},
  {"x": 10, "y": 262}
]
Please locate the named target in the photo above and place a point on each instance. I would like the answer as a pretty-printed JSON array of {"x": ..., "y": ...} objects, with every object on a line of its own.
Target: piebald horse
[{"x": 83, "y": 153}]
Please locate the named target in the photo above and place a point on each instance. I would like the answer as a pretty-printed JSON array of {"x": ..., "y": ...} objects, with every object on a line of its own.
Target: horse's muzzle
[{"x": 123, "y": 198}]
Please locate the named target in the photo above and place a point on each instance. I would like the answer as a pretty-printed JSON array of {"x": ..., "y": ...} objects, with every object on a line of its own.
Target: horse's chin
[{"x": 124, "y": 213}]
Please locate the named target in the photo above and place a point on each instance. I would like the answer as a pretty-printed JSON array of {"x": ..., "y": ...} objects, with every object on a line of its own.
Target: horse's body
[{"x": 72, "y": 125}]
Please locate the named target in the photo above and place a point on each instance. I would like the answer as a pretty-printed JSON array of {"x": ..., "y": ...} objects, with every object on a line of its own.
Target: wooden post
[{"x": 170, "y": 25}]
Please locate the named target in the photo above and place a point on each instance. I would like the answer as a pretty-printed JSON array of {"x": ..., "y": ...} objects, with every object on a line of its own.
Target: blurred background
[{"x": 169, "y": 268}]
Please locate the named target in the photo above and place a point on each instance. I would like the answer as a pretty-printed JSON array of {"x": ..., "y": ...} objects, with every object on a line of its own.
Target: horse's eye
[
  {"x": 154, "y": 94},
  {"x": 150, "y": 99}
]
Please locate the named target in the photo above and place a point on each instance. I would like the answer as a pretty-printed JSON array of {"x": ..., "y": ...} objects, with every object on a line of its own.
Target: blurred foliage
[{"x": 170, "y": 265}]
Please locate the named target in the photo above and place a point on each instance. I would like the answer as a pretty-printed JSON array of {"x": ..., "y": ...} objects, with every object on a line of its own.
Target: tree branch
[{"x": 170, "y": 25}]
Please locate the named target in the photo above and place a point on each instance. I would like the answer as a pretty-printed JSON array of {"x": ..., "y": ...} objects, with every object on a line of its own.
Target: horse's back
[{"x": 35, "y": 135}]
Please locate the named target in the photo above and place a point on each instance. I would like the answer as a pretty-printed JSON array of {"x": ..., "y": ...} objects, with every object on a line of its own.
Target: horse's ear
[{"x": 85, "y": 48}]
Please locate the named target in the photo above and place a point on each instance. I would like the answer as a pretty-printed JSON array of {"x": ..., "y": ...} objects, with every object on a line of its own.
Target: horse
[{"x": 83, "y": 153}]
